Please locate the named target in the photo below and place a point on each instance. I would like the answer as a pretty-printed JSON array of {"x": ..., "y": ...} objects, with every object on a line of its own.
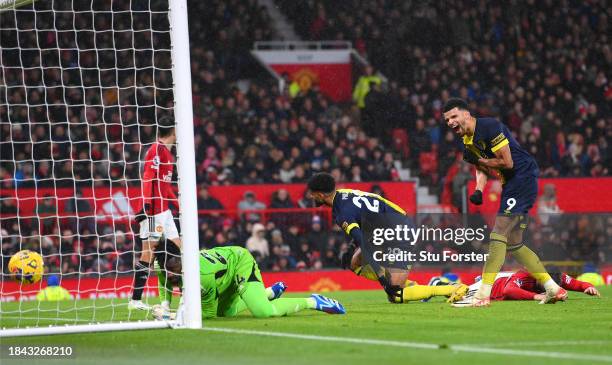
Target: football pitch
[{"x": 373, "y": 331}]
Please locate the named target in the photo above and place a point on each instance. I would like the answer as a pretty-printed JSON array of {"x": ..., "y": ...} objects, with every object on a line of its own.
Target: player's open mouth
[{"x": 456, "y": 128}]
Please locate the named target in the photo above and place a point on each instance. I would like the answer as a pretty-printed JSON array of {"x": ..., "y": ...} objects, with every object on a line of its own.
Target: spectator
[
  {"x": 81, "y": 213},
  {"x": 250, "y": 204},
  {"x": 53, "y": 292},
  {"x": 305, "y": 201},
  {"x": 47, "y": 213},
  {"x": 281, "y": 200},
  {"x": 362, "y": 88},
  {"x": 208, "y": 202},
  {"x": 317, "y": 236},
  {"x": 547, "y": 204},
  {"x": 257, "y": 243}
]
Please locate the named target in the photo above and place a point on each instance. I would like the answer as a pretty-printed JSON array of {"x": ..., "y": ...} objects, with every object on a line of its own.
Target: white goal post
[{"x": 19, "y": 317}]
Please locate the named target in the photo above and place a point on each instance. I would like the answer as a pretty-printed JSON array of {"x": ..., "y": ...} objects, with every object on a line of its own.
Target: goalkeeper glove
[
  {"x": 476, "y": 197},
  {"x": 470, "y": 157}
]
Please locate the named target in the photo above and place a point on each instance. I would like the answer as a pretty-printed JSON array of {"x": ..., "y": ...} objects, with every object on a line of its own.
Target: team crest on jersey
[
  {"x": 518, "y": 282},
  {"x": 159, "y": 229},
  {"x": 344, "y": 196},
  {"x": 156, "y": 162}
]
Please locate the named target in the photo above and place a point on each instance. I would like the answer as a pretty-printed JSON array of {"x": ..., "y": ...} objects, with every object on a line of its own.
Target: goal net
[{"x": 83, "y": 85}]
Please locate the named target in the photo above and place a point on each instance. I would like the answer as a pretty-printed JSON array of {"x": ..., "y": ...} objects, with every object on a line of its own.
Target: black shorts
[{"x": 518, "y": 195}]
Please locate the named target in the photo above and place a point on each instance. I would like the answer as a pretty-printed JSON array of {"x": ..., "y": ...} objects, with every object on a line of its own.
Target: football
[{"x": 26, "y": 266}]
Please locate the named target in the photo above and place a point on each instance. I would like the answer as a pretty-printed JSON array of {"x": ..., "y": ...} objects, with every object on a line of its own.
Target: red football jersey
[
  {"x": 522, "y": 286},
  {"x": 157, "y": 191}
]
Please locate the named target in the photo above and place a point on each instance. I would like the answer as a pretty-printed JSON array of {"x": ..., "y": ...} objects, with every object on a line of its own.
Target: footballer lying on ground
[
  {"x": 231, "y": 283},
  {"x": 521, "y": 285},
  {"x": 347, "y": 206},
  {"x": 491, "y": 148}
]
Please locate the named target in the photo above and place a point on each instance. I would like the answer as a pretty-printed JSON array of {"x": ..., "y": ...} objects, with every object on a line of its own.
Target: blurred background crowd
[{"x": 82, "y": 110}]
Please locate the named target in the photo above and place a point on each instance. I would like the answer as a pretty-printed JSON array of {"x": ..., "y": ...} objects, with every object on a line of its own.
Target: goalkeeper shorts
[{"x": 162, "y": 224}]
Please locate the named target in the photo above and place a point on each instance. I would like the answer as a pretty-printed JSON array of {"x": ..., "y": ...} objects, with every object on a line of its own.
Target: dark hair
[
  {"x": 174, "y": 265},
  {"x": 322, "y": 182},
  {"x": 455, "y": 103},
  {"x": 165, "y": 126}
]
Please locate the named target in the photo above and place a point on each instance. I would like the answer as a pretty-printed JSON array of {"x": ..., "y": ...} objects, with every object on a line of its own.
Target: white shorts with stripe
[{"x": 162, "y": 224}]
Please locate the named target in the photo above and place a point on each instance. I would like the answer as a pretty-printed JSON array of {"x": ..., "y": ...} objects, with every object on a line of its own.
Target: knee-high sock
[
  {"x": 418, "y": 292},
  {"x": 141, "y": 275},
  {"x": 526, "y": 257},
  {"x": 494, "y": 263}
]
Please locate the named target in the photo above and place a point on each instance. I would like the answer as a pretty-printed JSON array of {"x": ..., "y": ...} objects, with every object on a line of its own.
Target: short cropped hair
[
  {"x": 453, "y": 103},
  {"x": 165, "y": 126},
  {"x": 322, "y": 182}
]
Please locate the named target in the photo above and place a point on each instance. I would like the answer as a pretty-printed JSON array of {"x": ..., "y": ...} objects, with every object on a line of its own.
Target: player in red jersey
[
  {"x": 155, "y": 218},
  {"x": 521, "y": 285}
]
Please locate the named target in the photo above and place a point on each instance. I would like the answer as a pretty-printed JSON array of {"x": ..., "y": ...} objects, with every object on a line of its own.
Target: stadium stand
[
  {"x": 552, "y": 88},
  {"x": 553, "y": 94}
]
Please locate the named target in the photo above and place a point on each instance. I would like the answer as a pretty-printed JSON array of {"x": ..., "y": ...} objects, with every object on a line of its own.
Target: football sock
[
  {"x": 496, "y": 258},
  {"x": 526, "y": 257},
  {"x": 550, "y": 285},
  {"x": 270, "y": 293},
  {"x": 140, "y": 279},
  {"x": 419, "y": 292}
]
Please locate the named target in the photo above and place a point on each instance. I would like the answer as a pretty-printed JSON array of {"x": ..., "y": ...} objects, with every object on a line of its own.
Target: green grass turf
[{"x": 584, "y": 319}]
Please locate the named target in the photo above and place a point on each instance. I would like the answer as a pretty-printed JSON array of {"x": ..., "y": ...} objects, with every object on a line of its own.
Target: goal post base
[{"x": 83, "y": 328}]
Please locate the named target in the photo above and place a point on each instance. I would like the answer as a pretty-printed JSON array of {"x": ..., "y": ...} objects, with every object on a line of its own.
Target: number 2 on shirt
[{"x": 372, "y": 206}]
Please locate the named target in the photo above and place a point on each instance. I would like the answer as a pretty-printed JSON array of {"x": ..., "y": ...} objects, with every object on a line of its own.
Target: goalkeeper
[
  {"x": 166, "y": 283},
  {"x": 231, "y": 283}
]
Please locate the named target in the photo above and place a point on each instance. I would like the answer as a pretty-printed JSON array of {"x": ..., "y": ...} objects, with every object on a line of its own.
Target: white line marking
[
  {"x": 542, "y": 343},
  {"x": 52, "y": 319},
  {"x": 419, "y": 345}
]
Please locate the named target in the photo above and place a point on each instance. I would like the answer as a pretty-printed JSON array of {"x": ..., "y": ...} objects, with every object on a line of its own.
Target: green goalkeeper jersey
[{"x": 223, "y": 270}]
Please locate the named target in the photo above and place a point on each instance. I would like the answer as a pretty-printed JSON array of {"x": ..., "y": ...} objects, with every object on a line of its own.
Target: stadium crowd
[
  {"x": 71, "y": 116},
  {"x": 542, "y": 67}
]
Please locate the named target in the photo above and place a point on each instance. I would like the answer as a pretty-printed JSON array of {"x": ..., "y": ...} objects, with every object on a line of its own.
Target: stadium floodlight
[{"x": 82, "y": 88}]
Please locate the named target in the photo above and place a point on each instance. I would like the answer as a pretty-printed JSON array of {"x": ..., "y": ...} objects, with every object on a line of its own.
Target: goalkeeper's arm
[{"x": 210, "y": 296}]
